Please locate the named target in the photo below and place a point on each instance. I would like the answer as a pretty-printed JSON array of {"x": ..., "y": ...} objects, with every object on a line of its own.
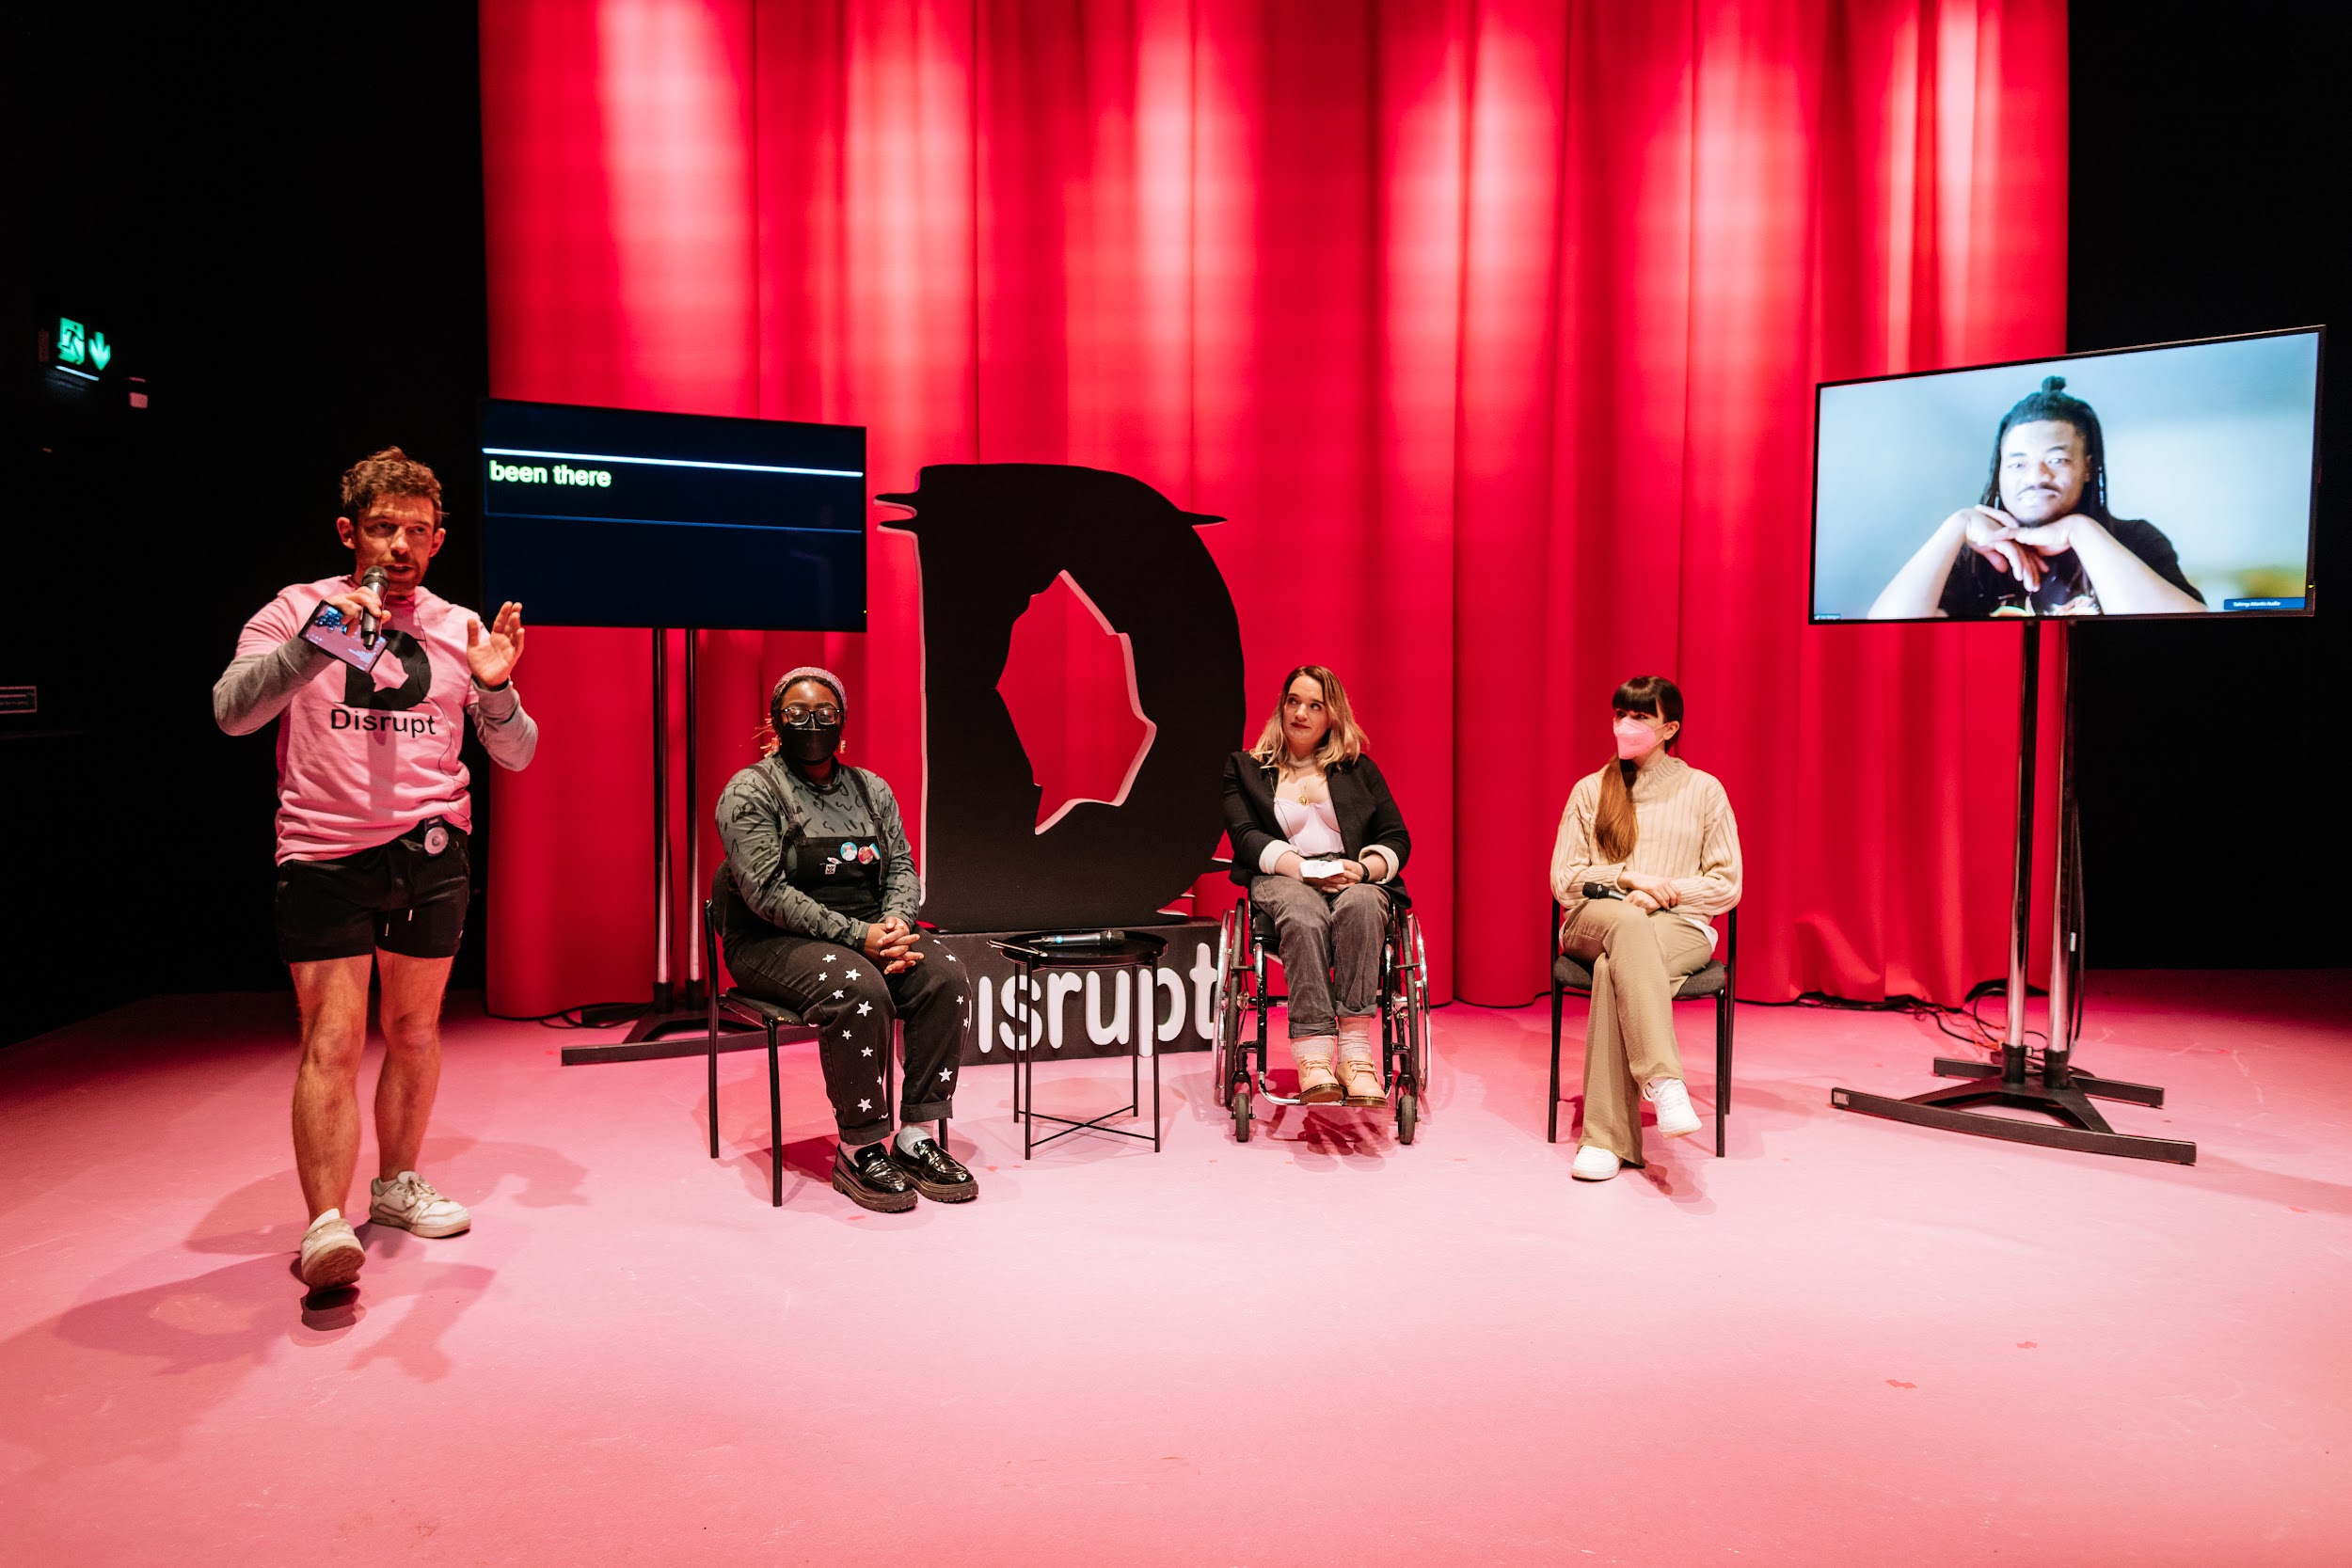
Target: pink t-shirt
[{"x": 363, "y": 756}]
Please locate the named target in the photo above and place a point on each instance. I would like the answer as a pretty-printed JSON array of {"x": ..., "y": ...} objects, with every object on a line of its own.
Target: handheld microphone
[
  {"x": 1077, "y": 939},
  {"x": 374, "y": 579},
  {"x": 1601, "y": 890}
]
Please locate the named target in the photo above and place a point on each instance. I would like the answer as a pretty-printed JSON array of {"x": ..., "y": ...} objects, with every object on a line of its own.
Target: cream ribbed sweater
[{"x": 1686, "y": 834}]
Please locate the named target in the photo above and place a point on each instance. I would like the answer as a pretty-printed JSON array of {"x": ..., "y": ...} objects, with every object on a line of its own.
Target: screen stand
[
  {"x": 2050, "y": 1084},
  {"x": 678, "y": 1021}
]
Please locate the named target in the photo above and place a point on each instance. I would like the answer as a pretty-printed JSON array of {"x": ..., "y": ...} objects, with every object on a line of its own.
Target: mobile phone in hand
[{"x": 331, "y": 629}]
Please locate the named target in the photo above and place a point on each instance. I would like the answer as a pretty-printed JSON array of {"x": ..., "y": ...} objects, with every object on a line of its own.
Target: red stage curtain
[{"x": 1491, "y": 328}]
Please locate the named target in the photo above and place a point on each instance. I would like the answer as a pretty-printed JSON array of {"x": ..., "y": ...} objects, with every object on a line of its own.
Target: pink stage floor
[{"x": 1848, "y": 1342}]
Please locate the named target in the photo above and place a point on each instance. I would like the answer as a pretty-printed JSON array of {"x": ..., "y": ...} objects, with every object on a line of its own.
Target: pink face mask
[{"x": 1635, "y": 739}]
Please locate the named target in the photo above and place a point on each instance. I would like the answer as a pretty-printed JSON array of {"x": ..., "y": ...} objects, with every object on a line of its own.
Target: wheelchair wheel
[
  {"x": 1408, "y": 1116},
  {"x": 1241, "y": 1116},
  {"x": 1220, "y": 1051},
  {"x": 1414, "y": 993},
  {"x": 1232, "y": 964}
]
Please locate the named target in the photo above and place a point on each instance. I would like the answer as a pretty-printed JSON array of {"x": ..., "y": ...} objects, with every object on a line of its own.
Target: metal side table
[{"x": 1136, "y": 951}]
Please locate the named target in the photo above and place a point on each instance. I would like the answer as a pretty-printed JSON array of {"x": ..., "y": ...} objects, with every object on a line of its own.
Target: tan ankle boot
[
  {"x": 1362, "y": 1079},
  {"x": 1316, "y": 1086}
]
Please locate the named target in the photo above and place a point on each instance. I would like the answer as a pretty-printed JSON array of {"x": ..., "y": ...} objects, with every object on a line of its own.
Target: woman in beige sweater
[{"x": 1648, "y": 854}]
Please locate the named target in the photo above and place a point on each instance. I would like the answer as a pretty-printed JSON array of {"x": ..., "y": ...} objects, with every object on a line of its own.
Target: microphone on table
[
  {"x": 373, "y": 579},
  {"x": 1077, "y": 939}
]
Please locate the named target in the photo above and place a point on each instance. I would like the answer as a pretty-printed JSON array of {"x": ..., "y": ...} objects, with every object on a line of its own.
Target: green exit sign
[{"x": 78, "y": 344}]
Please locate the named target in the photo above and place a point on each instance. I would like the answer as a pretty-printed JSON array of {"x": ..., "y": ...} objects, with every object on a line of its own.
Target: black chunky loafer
[
  {"x": 871, "y": 1180},
  {"x": 935, "y": 1173}
]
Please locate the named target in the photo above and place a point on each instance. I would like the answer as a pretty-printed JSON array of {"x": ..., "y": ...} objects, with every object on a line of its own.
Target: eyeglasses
[{"x": 801, "y": 713}]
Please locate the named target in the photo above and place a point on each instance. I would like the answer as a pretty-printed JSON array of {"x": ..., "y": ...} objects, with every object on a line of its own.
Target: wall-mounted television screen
[
  {"x": 614, "y": 518},
  {"x": 2173, "y": 481}
]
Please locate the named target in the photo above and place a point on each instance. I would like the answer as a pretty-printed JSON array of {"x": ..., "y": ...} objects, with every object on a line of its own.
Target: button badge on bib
[{"x": 436, "y": 839}]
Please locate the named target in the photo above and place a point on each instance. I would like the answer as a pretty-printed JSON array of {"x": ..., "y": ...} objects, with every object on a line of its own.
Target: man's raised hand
[{"x": 493, "y": 657}]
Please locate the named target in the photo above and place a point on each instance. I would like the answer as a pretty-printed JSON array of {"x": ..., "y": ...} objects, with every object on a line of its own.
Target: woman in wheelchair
[
  {"x": 818, "y": 900},
  {"x": 1318, "y": 842},
  {"x": 1648, "y": 854}
]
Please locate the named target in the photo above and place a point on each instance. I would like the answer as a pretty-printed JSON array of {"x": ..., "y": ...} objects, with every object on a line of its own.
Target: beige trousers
[{"x": 1637, "y": 958}]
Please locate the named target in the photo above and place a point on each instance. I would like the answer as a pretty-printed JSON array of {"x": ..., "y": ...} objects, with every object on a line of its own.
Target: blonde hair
[{"x": 1343, "y": 741}]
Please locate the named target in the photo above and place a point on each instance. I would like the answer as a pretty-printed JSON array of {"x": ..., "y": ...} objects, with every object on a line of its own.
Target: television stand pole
[
  {"x": 677, "y": 1022},
  {"x": 2050, "y": 1085}
]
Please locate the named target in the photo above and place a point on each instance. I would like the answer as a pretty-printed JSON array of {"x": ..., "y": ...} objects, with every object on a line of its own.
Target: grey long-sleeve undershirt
[{"x": 256, "y": 689}]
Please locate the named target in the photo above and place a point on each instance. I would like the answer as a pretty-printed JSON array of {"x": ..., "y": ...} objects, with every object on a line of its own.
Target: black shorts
[{"x": 397, "y": 897}]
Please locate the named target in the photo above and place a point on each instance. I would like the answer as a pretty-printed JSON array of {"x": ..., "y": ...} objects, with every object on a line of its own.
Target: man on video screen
[{"x": 2041, "y": 541}]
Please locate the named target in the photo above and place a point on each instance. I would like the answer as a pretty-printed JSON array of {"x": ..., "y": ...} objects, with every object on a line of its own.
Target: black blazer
[{"x": 1359, "y": 798}]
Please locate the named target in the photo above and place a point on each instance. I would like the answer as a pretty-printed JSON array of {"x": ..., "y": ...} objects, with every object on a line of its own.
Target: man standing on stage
[{"x": 373, "y": 818}]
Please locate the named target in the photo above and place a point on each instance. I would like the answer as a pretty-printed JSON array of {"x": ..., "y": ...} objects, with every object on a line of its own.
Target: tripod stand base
[
  {"x": 665, "y": 1029},
  {"x": 2149, "y": 1095},
  {"x": 2081, "y": 1127}
]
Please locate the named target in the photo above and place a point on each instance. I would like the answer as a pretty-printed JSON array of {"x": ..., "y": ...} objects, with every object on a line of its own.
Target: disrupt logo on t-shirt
[
  {"x": 394, "y": 724},
  {"x": 360, "y": 691}
]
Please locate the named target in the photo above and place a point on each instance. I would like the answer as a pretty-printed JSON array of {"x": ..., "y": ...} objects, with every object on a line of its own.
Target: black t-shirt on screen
[{"x": 1977, "y": 589}]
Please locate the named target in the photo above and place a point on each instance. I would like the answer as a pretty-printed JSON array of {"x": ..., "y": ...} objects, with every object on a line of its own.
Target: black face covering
[{"x": 810, "y": 744}]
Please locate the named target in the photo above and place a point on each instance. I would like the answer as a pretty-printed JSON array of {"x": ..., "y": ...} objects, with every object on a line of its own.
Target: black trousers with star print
[{"x": 843, "y": 995}]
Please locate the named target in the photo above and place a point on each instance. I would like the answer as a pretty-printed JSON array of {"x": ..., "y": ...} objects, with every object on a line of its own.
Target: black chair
[
  {"x": 1715, "y": 981},
  {"x": 780, "y": 1024}
]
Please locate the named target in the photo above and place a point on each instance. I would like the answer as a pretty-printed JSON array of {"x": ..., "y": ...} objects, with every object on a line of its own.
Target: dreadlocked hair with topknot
[{"x": 2053, "y": 402}]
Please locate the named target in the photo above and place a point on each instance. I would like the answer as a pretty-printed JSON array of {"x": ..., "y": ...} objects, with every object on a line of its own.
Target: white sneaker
[
  {"x": 1675, "y": 1118},
  {"x": 331, "y": 1253},
  {"x": 1594, "y": 1164},
  {"x": 408, "y": 1201}
]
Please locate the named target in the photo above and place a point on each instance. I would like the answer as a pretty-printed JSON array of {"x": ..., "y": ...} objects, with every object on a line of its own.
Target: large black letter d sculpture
[{"x": 992, "y": 535}]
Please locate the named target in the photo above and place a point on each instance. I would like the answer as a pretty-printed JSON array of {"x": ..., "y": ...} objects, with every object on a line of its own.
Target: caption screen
[{"x": 614, "y": 518}]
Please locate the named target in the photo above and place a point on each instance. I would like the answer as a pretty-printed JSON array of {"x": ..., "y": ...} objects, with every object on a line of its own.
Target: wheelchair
[{"x": 1239, "y": 1052}]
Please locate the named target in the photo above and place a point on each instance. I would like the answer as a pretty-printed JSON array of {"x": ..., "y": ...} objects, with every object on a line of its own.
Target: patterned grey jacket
[{"x": 767, "y": 808}]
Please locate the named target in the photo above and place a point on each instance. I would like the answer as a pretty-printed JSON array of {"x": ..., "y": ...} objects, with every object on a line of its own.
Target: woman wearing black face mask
[
  {"x": 1318, "y": 842},
  {"x": 817, "y": 899}
]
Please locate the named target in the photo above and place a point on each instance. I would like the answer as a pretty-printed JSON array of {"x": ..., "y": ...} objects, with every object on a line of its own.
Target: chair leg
[
  {"x": 1552, "y": 1120},
  {"x": 775, "y": 1124},
  {"x": 714, "y": 1072},
  {"x": 1722, "y": 1066}
]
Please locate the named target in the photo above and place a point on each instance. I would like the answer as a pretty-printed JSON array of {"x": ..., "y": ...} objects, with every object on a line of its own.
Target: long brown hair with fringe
[{"x": 1615, "y": 828}]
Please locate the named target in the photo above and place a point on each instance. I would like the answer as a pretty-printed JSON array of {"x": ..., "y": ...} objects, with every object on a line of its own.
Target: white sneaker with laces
[
  {"x": 331, "y": 1253},
  {"x": 408, "y": 1201},
  {"x": 1675, "y": 1118},
  {"x": 1594, "y": 1164}
]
